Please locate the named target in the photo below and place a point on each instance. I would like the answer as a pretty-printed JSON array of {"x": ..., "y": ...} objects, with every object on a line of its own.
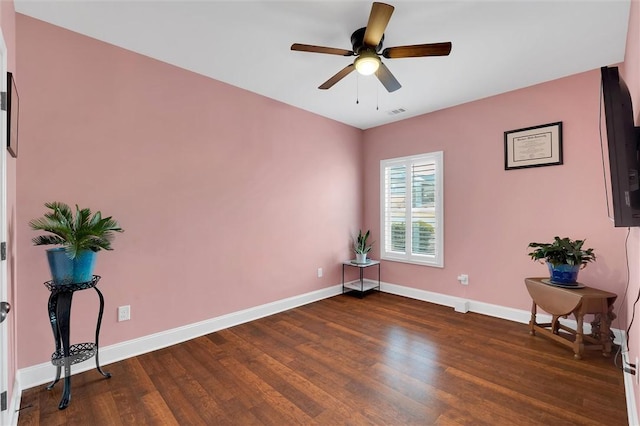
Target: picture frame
[
  {"x": 13, "y": 108},
  {"x": 535, "y": 146}
]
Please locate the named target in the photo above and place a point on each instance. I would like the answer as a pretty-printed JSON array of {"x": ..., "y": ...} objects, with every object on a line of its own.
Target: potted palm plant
[
  {"x": 80, "y": 235},
  {"x": 564, "y": 257},
  {"x": 361, "y": 247}
]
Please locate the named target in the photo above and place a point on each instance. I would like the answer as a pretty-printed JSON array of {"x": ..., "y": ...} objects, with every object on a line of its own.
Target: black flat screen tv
[{"x": 624, "y": 144}]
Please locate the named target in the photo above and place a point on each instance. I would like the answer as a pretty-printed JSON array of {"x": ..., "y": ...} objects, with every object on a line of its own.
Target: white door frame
[{"x": 4, "y": 350}]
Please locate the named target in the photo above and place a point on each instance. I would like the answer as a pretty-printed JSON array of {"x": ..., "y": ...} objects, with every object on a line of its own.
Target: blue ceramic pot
[
  {"x": 563, "y": 274},
  {"x": 65, "y": 270}
]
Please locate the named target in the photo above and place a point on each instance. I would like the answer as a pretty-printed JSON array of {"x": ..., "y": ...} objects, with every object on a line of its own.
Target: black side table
[
  {"x": 66, "y": 355},
  {"x": 362, "y": 286}
]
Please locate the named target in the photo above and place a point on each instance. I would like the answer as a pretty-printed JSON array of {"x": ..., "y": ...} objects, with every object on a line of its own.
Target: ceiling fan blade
[
  {"x": 320, "y": 49},
  {"x": 378, "y": 20},
  {"x": 417, "y": 50},
  {"x": 337, "y": 77},
  {"x": 387, "y": 79}
]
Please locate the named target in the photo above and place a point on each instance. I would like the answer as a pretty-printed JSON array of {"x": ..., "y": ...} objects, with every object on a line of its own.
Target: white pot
[{"x": 361, "y": 257}]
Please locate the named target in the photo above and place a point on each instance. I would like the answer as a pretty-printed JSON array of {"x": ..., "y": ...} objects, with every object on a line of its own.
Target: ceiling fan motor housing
[{"x": 357, "y": 41}]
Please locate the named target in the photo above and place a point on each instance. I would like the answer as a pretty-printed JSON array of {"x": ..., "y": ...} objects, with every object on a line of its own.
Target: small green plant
[
  {"x": 562, "y": 251},
  {"x": 360, "y": 245},
  {"x": 75, "y": 233}
]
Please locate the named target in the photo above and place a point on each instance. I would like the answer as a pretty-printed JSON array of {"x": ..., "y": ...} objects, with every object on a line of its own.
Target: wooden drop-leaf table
[{"x": 561, "y": 302}]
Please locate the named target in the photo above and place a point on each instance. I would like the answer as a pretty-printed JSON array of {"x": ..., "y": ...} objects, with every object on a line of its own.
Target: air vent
[{"x": 396, "y": 111}]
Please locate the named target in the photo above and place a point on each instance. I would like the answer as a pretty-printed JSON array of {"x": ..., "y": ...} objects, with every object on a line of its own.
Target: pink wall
[
  {"x": 631, "y": 73},
  {"x": 197, "y": 171},
  {"x": 491, "y": 214},
  {"x": 7, "y": 23},
  {"x": 229, "y": 199}
]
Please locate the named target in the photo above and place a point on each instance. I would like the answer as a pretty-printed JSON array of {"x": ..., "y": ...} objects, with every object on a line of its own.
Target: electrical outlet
[
  {"x": 124, "y": 313},
  {"x": 464, "y": 279},
  {"x": 319, "y": 272}
]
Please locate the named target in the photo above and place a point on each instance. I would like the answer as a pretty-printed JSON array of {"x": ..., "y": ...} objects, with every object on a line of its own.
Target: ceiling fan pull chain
[
  {"x": 377, "y": 98},
  {"x": 357, "y": 89}
]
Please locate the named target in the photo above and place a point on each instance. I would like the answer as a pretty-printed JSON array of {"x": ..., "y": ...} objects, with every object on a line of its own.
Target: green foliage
[
  {"x": 76, "y": 233},
  {"x": 562, "y": 251},
  {"x": 360, "y": 244},
  {"x": 422, "y": 237},
  {"x": 398, "y": 237}
]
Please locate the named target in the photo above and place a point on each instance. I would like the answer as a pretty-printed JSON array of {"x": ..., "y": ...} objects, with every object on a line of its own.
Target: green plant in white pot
[
  {"x": 361, "y": 246},
  {"x": 80, "y": 236}
]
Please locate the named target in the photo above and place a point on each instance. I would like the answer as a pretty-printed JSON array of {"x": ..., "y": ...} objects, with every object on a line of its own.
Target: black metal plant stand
[
  {"x": 362, "y": 286},
  {"x": 66, "y": 355}
]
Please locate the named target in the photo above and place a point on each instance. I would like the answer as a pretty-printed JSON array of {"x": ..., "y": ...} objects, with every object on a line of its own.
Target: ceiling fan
[{"x": 367, "y": 46}]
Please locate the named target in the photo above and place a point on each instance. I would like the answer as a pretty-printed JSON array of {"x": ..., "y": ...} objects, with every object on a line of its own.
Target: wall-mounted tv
[
  {"x": 624, "y": 148},
  {"x": 13, "y": 107}
]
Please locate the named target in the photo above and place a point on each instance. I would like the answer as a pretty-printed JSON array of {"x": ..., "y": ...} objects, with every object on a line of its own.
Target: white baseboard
[
  {"x": 44, "y": 373},
  {"x": 629, "y": 391},
  {"x": 497, "y": 311}
]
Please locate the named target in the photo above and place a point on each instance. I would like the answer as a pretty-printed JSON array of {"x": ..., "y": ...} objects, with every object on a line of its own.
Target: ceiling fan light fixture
[{"x": 367, "y": 63}]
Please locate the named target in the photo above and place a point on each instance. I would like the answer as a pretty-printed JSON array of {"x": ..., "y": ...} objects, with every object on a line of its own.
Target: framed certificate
[{"x": 533, "y": 146}]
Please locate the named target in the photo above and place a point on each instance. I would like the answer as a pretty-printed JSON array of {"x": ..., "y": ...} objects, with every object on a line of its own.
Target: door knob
[{"x": 5, "y": 307}]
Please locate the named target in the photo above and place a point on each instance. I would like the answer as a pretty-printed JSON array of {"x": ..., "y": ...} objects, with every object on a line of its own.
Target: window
[{"x": 411, "y": 209}]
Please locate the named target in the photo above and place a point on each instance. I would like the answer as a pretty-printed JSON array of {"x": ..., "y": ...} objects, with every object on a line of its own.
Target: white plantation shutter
[
  {"x": 411, "y": 209},
  {"x": 395, "y": 209}
]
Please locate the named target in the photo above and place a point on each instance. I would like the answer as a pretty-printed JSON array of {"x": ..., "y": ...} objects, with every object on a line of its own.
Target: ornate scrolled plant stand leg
[
  {"x": 99, "y": 323},
  {"x": 53, "y": 303},
  {"x": 65, "y": 354},
  {"x": 63, "y": 313}
]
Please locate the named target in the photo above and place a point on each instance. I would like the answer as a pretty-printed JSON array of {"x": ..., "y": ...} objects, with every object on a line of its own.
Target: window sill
[{"x": 411, "y": 261}]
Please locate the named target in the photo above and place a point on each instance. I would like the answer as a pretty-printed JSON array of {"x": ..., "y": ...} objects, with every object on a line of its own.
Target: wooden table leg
[
  {"x": 578, "y": 345},
  {"x": 532, "y": 322},
  {"x": 605, "y": 328},
  {"x": 555, "y": 324}
]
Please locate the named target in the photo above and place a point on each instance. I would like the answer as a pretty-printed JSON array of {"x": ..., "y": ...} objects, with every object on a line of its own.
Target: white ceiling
[{"x": 498, "y": 46}]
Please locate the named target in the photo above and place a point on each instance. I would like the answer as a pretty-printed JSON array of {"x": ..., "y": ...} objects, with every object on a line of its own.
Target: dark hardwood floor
[{"x": 383, "y": 359}]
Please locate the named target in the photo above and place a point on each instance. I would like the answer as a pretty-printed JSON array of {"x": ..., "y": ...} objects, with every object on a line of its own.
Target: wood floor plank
[
  {"x": 267, "y": 398},
  {"x": 157, "y": 410},
  {"x": 210, "y": 372},
  {"x": 486, "y": 386},
  {"x": 105, "y": 405},
  {"x": 381, "y": 360},
  {"x": 201, "y": 394},
  {"x": 175, "y": 387}
]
